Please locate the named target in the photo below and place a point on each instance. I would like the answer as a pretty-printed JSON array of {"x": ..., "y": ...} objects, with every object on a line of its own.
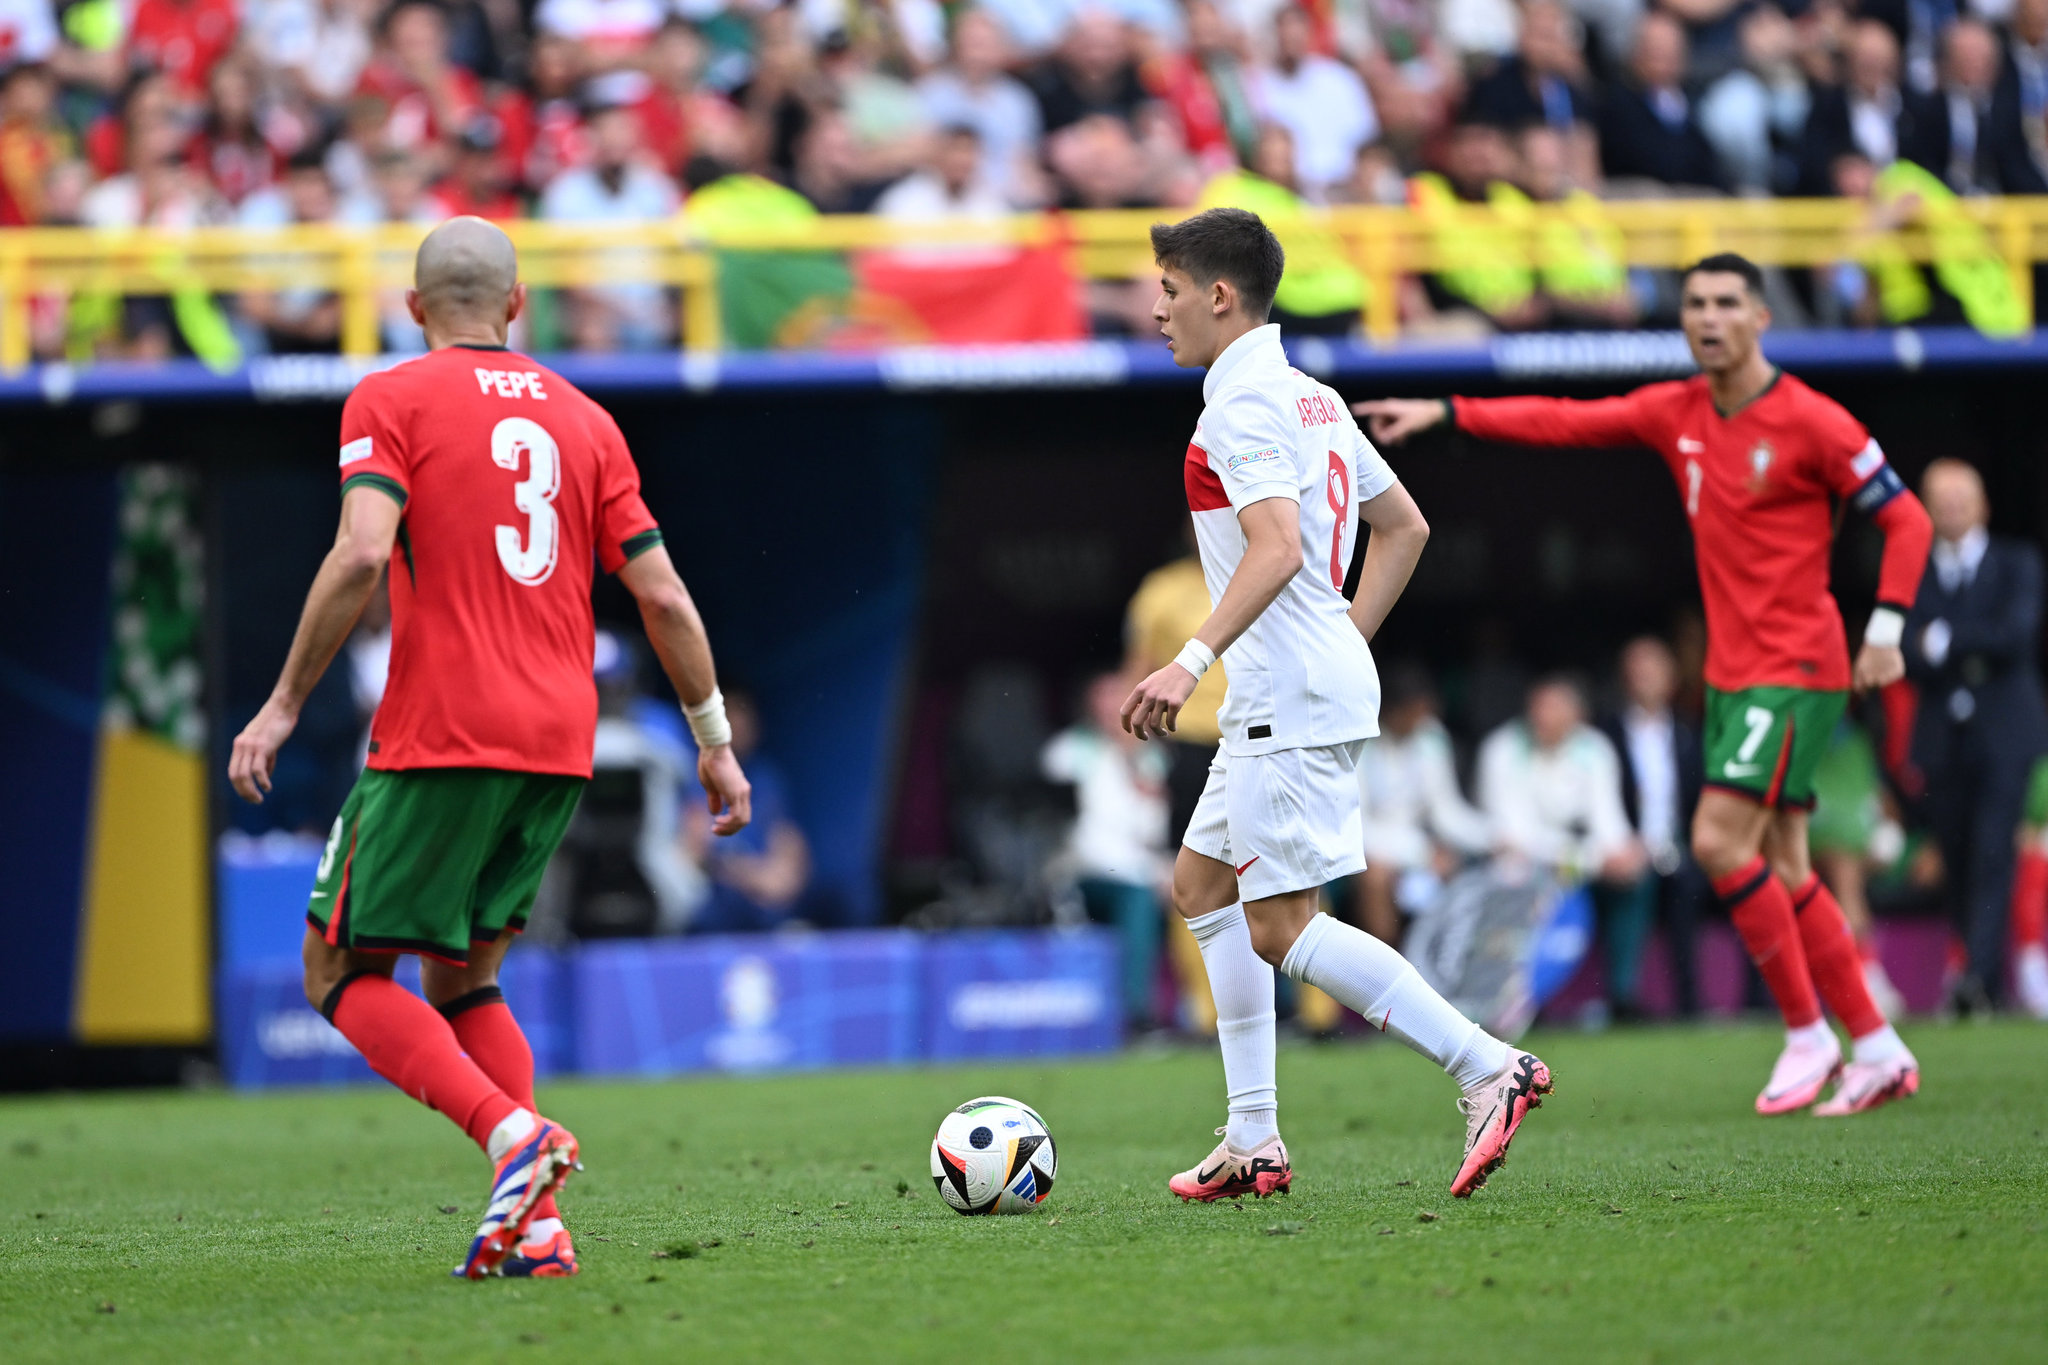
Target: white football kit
[{"x": 1282, "y": 802}]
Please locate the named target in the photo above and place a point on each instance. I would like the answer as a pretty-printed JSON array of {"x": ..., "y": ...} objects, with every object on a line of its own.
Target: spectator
[
  {"x": 31, "y": 143},
  {"x": 543, "y": 120},
  {"x": 181, "y": 38},
  {"x": 1322, "y": 104},
  {"x": 1206, "y": 88},
  {"x": 1322, "y": 293},
  {"x": 1170, "y": 605},
  {"x": 430, "y": 96},
  {"x": 1544, "y": 82},
  {"x": 1415, "y": 79},
  {"x": 295, "y": 320},
  {"x": 977, "y": 91},
  {"x": 231, "y": 152},
  {"x": 759, "y": 876},
  {"x": 1970, "y": 645},
  {"x": 1662, "y": 770},
  {"x": 479, "y": 181},
  {"x": 1752, "y": 113},
  {"x": 830, "y": 170},
  {"x": 320, "y": 47},
  {"x": 2023, "y": 93},
  {"x": 28, "y": 32},
  {"x": 1485, "y": 280},
  {"x": 1098, "y": 164},
  {"x": 1649, "y": 128},
  {"x": 1959, "y": 135},
  {"x": 1580, "y": 265},
  {"x": 1118, "y": 849},
  {"x": 1865, "y": 116},
  {"x": 1093, "y": 73},
  {"x": 616, "y": 187},
  {"x": 1418, "y": 825},
  {"x": 679, "y": 118},
  {"x": 612, "y": 33},
  {"x": 950, "y": 187},
  {"x": 1551, "y": 786}
]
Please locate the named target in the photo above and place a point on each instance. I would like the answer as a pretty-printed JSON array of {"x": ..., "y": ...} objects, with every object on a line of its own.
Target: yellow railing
[{"x": 1383, "y": 243}]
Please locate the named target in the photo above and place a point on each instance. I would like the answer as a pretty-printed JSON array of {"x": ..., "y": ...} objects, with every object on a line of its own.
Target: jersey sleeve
[
  {"x": 374, "y": 453},
  {"x": 1251, "y": 448},
  {"x": 1633, "y": 419},
  {"x": 1371, "y": 475},
  {"x": 1849, "y": 461},
  {"x": 625, "y": 527}
]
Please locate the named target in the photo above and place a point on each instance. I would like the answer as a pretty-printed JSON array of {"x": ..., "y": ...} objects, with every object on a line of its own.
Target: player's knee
[{"x": 1271, "y": 938}]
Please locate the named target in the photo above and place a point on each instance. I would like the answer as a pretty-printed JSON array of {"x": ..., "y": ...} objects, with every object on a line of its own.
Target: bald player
[{"x": 497, "y": 483}]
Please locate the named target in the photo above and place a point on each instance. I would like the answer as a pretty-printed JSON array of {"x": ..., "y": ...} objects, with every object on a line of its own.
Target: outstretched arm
[
  {"x": 1272, "y": 557},
  {"x": 347, "y": 577},
  {"x": 1398, "y": 535},
  {"x": 1521, "y": 421},
  {"x": 677, "y": 633}
]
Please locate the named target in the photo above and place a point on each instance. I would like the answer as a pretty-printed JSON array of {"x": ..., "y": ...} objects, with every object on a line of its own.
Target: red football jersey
[
  {"x": 512, "y": 482},
  {"x": 1760, "y": 490}
]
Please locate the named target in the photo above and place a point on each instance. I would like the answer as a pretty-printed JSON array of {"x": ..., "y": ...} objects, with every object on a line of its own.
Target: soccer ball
[{"x": 994, "y": 1155}]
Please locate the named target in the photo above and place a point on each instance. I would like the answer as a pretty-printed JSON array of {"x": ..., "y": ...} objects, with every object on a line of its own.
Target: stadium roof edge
[{"x": 1529, "y": 358}]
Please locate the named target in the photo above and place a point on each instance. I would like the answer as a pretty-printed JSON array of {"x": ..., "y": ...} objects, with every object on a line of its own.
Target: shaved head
[{"x": 466, "y": 269}]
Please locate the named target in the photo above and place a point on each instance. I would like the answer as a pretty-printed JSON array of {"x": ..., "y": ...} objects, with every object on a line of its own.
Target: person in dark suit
[
  {"x": 1970, "y": 645},
  {"x": 1964, "y": 134},
  {"x": 1868, "y": 115},
  {"x": 1661, "y": 773},
  {"x": 1648, "y": 126},
  {"x": 1544, "y": 82},
  {"x": 2021, "y": 99}
]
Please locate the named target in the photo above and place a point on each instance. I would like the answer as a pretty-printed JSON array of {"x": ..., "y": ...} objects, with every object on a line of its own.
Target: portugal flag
[{"x": 964, "y": 295}]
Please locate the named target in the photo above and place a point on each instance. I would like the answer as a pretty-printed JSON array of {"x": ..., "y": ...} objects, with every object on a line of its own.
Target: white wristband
[
  {"x": 707, "y": 721},
  {"x": 1196, "y": 658},
  {"x": 1886, "y": 627}
]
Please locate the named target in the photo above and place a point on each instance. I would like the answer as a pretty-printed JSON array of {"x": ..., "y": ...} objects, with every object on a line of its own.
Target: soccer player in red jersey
[
  {"x": 1761, "y": 461},
  {"x": 499, "y": 484}
]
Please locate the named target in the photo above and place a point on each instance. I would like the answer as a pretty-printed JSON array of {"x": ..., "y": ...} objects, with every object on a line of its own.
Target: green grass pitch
[{"x": 1646, "y": 1215}]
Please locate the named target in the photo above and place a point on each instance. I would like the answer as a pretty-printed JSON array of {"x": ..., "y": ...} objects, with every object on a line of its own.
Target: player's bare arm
[
  {"x": 1398, "y": 534},
  {"x": 1391, "y": 421},
  {"x": 677, "y": 633},
  {"x": 1272, "y": 556},
  {"x": 347, "y": 577}
]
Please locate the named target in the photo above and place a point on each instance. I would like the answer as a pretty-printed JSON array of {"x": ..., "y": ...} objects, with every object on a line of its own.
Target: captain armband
[{"x": 1877, "y": 490}]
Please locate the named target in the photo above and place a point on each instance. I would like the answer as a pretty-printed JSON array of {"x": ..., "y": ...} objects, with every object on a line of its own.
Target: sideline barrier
[
  {"x": 666, "y": 1006},
  {"x": 1529, "y": 358}
]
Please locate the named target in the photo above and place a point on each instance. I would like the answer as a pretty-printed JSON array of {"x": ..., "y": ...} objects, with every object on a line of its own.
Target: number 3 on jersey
[{"x": 534, "y": 495}]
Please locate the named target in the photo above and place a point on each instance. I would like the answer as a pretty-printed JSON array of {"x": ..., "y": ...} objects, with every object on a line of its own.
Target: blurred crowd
[
  {"x": 266, "y": 112},
  {"x": 1932, "y": 798}
]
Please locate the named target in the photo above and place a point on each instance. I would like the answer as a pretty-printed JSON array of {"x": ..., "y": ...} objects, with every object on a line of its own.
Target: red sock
[
  {"x": 410, "y": 1045},
  {"x": 485, "y": 1027},
  {"x": 1832, "y": 958},
  {"x": 1761, "y": 908},
  {"x": 2030, "y": 898}
]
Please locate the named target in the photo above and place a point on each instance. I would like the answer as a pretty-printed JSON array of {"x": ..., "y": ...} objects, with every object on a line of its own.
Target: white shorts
[{"x": 1286, "y": 821}]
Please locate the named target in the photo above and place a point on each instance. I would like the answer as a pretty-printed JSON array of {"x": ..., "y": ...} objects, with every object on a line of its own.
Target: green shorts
[
  {"x": 435, "y": 859},
  {"x": 2037, "y": 794},
  {"x": 1765, "y": 742}
]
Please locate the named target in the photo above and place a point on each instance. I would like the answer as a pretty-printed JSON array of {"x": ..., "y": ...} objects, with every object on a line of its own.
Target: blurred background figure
[
  {"x": 1418, "y": 826},
  {"x": 1169, "y": 607},
  {"x": 1970, "y": 645},
  {"x": 1117, "y": 851},
  {"x": 1321, "y": 102},
  {"x": 1551, "y": 786},
  {"x": 617, "y": 186},
  {"x": 1854, "y": 838},
  {"x": 760, "y": 876},
  {"x": 1662, "y": 768}
]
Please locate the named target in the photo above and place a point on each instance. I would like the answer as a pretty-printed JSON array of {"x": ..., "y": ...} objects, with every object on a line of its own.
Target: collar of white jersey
[{"x": 1241, "y": 352}]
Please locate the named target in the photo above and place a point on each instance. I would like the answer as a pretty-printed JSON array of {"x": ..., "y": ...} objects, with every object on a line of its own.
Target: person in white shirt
[
  {"x": 616, "y": 186},
  {"x": 1551, "y": 784},
  {"x": 1117, "y": 850},
  {"x": 1418, "y": 825},
  {"x": 977, "y": 90},
  {"x": 951, "y": 186},
  {"x": 1278, "y": 478},
  {"x": 1320, "y": 101}
]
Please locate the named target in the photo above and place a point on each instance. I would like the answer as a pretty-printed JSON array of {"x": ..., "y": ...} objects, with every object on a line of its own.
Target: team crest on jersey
[{"x": 1760, "y": 466}]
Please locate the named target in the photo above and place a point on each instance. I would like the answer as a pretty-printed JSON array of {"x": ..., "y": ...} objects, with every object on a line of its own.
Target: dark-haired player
[
  {"x": 1278, "y": 478},
  {"x": 499, "y": 483},
  {"x": 1761, "y": 461}
]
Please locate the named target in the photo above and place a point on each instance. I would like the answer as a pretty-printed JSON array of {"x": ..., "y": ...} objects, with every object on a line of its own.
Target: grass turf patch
[{"x": 1647, "y": 1215}]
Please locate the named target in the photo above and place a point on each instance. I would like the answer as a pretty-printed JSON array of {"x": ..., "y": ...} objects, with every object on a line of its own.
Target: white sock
[
  {"x": 1878, "y": 1045},
  {"x": 1358, "y": 970},
  {"x": 515, "y": 1128},
  {"x": 1816, "y": 1035},
  {"x": 1241, "y": 983}
]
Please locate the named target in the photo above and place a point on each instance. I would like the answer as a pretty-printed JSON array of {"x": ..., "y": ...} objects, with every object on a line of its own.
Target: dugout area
[{"x": 861, "y": 557}]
